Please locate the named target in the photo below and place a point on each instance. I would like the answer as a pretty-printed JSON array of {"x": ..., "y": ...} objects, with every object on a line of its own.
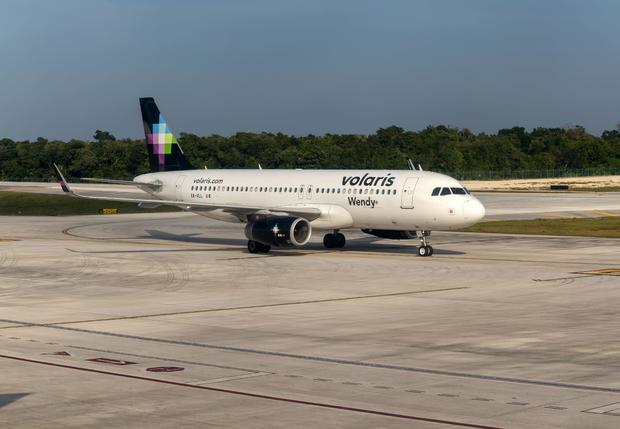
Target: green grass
[
  {"x": 588, "y": 227},
  {"x": 29, "y": 204}
]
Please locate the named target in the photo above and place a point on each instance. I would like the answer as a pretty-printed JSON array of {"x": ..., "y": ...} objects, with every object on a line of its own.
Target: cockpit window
[
  {"x": 445, "y": 191},
  {"x": 436, "y": 191},
  {"x": 458, "y": 191}
]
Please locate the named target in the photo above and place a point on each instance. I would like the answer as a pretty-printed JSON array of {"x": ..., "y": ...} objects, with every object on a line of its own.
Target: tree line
[{"x": 438, "y": 148}]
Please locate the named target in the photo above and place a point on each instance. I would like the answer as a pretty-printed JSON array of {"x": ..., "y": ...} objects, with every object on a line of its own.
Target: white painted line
[{"x": 605, "y": 408}]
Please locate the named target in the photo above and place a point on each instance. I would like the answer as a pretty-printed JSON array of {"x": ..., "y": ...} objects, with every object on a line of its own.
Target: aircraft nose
[{"x": 473, "y": 210}]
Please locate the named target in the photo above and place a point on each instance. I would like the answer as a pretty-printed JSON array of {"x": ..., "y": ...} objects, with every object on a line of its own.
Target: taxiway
[{"x": 493, "y": 331}]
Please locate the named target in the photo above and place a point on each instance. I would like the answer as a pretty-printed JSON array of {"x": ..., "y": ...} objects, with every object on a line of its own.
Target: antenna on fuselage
[
  {"x": 259, "y": 166},
  {"x": 420, "y": 167}
]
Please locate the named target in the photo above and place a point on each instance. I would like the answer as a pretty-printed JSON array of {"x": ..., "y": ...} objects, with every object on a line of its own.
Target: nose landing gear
[
  {"x": 424, "y": 249},
  {"x": 334, "y": 241}
]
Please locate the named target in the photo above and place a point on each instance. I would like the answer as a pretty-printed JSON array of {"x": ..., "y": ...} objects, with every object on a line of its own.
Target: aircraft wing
[
  {"x": 123, "y": 182},
  {"x": 309, "y": 213}
]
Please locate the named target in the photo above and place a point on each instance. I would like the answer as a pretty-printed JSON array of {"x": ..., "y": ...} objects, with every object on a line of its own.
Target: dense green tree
[
  {"x": 103, "y": 136},
  {"x": 439, "y": 148}
]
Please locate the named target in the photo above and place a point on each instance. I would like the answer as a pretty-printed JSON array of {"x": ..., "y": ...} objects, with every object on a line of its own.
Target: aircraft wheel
[
  {"x": 329, "y": 241},
  {"x": 253, "y": 246},
  {"x": 424, "y": 251},
  {"x": 430, "y": 250},
  {"x": 340, "y": 240},
  {"x": 256, "y": 247}
]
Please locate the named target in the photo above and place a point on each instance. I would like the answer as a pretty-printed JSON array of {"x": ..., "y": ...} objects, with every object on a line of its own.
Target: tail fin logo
[{"x": 161, "y": 140}]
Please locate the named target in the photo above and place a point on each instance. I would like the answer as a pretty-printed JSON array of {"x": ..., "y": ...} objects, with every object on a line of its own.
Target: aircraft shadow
[
  {"x": 9, "y": 398},
  {"x": 192, "y": 238},
  {"x": 362, "y": 244}
]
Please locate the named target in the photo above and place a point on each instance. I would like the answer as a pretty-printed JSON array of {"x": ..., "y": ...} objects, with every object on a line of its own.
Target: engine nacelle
[
  {"x": 280, "y": 231},
  {"x": 391, "y": 234}
]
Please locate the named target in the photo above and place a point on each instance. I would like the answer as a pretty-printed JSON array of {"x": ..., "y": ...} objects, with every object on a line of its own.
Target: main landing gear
[
  {"x": 424, "y": 249},
  {"x": 256, "y": 247},
  {"x": 334, "y": 241}
]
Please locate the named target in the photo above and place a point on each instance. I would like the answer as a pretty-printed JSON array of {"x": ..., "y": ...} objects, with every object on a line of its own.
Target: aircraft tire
[
  {"x": 253, "y": 246},
  {"x": 256, "y": 247},
  {"x": 329, "y": 241},
  {"x": 340, "y": 240}
]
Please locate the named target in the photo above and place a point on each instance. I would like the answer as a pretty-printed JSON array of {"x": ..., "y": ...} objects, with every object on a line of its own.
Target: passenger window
[
  {"x": 366, "y": 190},
  {"x": 355, "y": 191},
  {"x": 436, "y": 192},
  {"x": 445, "y": 191},
  {"x": 295, "y": 190},
  {"x": 349, "y": 191},
  {"x": 458, "y": 191}
]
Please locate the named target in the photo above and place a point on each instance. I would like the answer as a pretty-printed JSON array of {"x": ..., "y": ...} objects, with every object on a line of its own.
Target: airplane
[{"x": 281, "y": 208}]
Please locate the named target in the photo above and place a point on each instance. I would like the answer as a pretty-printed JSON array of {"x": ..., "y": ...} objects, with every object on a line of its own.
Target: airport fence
[{"x": 533, "y": 174}]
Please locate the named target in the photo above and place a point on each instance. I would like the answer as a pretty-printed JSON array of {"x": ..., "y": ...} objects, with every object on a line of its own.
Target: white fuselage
[{"x": 376, "y": 199}]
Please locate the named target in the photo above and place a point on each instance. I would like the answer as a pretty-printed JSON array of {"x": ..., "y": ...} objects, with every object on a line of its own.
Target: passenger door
[{"x": 406, "y": 201}]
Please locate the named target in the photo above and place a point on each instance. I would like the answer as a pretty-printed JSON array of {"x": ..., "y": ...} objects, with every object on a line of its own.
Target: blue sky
[{"x": 219, "y": 67}]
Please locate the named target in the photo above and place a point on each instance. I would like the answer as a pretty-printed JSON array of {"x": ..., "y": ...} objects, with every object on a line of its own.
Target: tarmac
[{"x": 164, "y": 320}]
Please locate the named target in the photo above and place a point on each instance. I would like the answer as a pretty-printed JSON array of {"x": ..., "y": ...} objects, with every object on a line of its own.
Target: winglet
[{"x": 61, "y": 180}]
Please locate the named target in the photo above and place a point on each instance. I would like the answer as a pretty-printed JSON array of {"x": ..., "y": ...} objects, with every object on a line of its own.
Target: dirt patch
[{"x": 593, "y": 183}]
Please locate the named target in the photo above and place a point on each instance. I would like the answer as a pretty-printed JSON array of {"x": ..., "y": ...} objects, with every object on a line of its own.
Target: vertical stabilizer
[{"x": 165, "y": 153}]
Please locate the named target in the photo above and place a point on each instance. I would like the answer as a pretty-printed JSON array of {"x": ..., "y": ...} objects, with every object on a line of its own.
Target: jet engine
[
  {"x": 280, "y": 231},
  {"x": 391, "y": 234}
]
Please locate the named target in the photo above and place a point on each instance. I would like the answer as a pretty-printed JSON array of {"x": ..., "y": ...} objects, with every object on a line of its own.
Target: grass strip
[
  {"x": 608, "y": 227},
  {"x": 31, "y": 204}
]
